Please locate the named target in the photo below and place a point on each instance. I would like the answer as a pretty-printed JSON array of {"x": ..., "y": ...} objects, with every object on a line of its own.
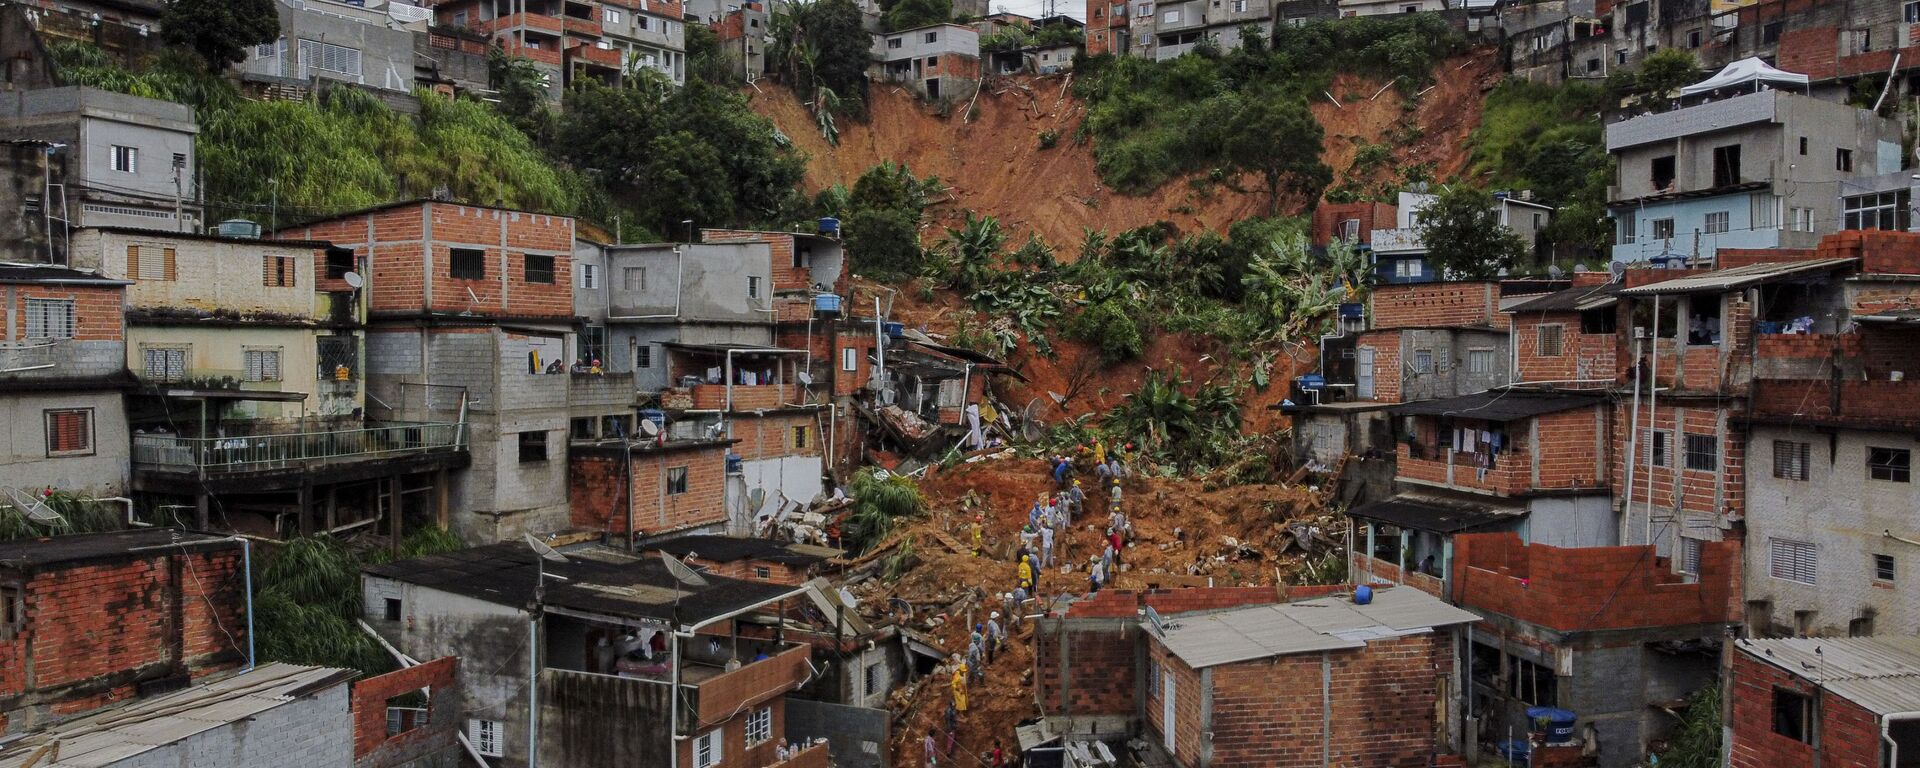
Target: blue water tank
[
  {"x": 896, "y": 330},
  {"x": 1312, "y": 381},
  {"x": 826, "y": 304},
  {"x": 1514, "y": 750},
  {"x": 1555, "y": 723},
  {"x": 829, "y": 226},
  {"x": 1353, "y": 309},
  {"x": 1362, "y": 595},
  {"x": 655, "y": 415}
]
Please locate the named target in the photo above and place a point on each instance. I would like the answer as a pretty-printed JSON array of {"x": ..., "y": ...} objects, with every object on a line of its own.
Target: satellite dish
[
  {"x": 545, "y": 552},
  {"x": 847, "y": 599},
  {"x": 1580, "y": 267},
  {"x": 649, "y": 427},
  {"x": 756, "y": 499},
  {"x": 682, "y": 573},
  {"x": 1618, "y": 270},
  {"x": 1554, "y": 271},
  {"x": 354, "y": 280},
  {"x": 806, "y": 379},
  {"x": 34, "y": 508}
]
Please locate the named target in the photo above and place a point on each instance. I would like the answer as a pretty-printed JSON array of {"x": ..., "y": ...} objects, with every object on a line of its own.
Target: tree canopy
[
  {"x": 1277, "y": 137},
  {"x": 220, "y": 30},
  {"x": 821, "y": 46},
  {"x": 1464, "y": 237}
]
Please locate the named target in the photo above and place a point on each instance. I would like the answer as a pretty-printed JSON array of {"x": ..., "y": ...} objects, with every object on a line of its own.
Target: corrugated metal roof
[
  {"x": 1735, "y": 277},
  {"x": 1500, "y": 405},
  {"x": 1443, "y": 516},
  {"x": 1570, "y": 300},
  {"x": 1881, "y": 674},
  {"x": 116, "y": 733},
  {"x": 1307, "y": 626}
]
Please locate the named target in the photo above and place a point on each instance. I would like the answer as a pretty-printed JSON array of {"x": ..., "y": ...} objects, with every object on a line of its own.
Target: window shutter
[
  {"x": 167, "y": 270},
  {"x": 133, "y": 262}
]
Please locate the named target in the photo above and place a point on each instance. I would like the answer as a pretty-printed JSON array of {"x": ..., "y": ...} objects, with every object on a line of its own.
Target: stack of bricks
[{"x": 1593, "y": 588}]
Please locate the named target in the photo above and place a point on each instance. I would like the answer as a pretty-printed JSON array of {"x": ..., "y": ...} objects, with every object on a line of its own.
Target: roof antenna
[{"x": 35, "y": 509}]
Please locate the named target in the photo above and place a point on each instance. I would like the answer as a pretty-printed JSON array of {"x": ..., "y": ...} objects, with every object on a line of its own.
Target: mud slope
[{"x": 995, "y": 164}]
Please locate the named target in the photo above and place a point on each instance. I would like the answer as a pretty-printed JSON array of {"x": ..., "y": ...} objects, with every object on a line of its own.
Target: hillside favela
[{"x": 959, "y": 383}]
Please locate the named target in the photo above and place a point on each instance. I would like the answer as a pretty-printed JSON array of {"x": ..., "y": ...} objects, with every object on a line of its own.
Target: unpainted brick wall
[
  {"x": 97, "y": 310},
  {"x": 371, "y": 744},
  {"x": 596, "y": 502},
  {"x": 1431, "y": 305},
  {"x": 1720, "y": 491},
  {"x": 1593, "y": 588},
  {"x": 1849, "y": 734}
]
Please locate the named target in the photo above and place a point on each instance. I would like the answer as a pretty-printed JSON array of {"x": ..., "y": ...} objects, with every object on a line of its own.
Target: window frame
[
  {"x": 1843, "y": 159},
  {"x": 849, "y": 359},
  {"x": 589, "y": 277},
  {"x": 1797, "y": 457},
  {"x": 38, "y": 311},
  {"x": 1558, "y": 337},
  {"x": 1717, "y": 222},
  {"x": 1659, "y": 448},
  {"x": 458, "y": 271},
  {"x": 712, "y": 744},
  {"x": 1657, "y": 226},
  {"x": 539, "y": 268},
  {"x": 1423, "y": 361},
  {"x": 263, "y": 354},
  {"x": 798, "y": 437},
  {"x": 184, "y": 352},
  {"x": 87, "y": 428},
  {"x": 1480, "y": 361},
  {"x": 1896, "y": 464},
  {"x": 530, "y": 441},
  {"x": 279, "y": 271},
  {"x": 124, "y": 159},
  {"x": 486, "y": 735},
  {"x": 1700, "y": 453},
  {"x": 676, "y": 480},
  {"x": 1885, "y": 568},
  {"x": 1789, "y": 559},
  {"x": 1808, "y": 717},
  {"x": 759, "y": 724},
  {"x": 1629, "y": 229}
]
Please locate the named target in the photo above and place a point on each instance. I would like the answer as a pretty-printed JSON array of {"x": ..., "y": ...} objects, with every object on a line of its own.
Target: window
[
  {"x": 1803, "y": 145},
  {"x": 392, "y": 609},
  {"x": 613, "y": 16},
  {"x": 1702, "y": 452},
  {"x": 126, "y": 159},
  {"x": 1885, "y": 210},
  {"x": 932, "y": 37},
  {"x": 580, "y": 428},
  {"x": 146, "y": 262},
  {"x": 1693, "y": 38},
  {"x": 759, "y": 726},
  {"x": 1423, "y": 361},
  {"x": 1690, "y": 556},
  {"x": 165, "y": 363},
  {"x": 643, "y": 356},
  {"x": 849, "y": 359},
  {"x": 1793, "y": 715},
  {"x": 486, "y": 737},
  {"x": 676, "y": 481},
  {"x": 1593, "y": 66},
  {"x": 1718, "y": 222},
  {"x": 933, "y": 61},
  {"x": 327, "y": 57},
  {"x": 1153, "y": 679},
  {"x": 634, "y": 278},
  {"x": 1862, "y": 40},
  {"x": 1843, "y": 160},
  {"x": 1143, "y": 10},
  {"x": 1662, "y": 175},
  {"x": 1765, "y": 212},
  {"x": 762, "y": 572},
  {"x": 1629, "y": 230},
  {"x": 1770, "y": 33},
  {"x": 1656, "y": 443},
  {"x": 338, "y": 357},
  {"x": 70, "y": 432},
  {"x": 1170, "y": 16},
  {"x": 590, "y": 277},
  {"x": 13, "y": 611},
  {"x": 1893, "y": 465},
  {"x": 800, "y": 437},
  {"x": 753, "y": 286},
  {"x": 1480, "y": 361},
  {"x": 803, "y": 257},
  {"x": 1790, "y": 459},
  {"x": 1910, "y": 12},
  {"x": 1883, "y": 567},
  {"x": 1350, "y": 230},
  {"x": 1620, "y": 56},
  {"x": 261, "y": 364},
  {"x": 539, "y": 269},
  {"x": 339, "y": 263},
  {"x": 706, "y": 749},
  {"x": 593, "y": 343},
  {"x": 49, "y": 318},
  {"x": 278, "y": 271},
  {"x": 1789, "y": 560},
  {"x": 533, "y": 447},
  {"x": 1662, "y": 229},
  {"x": 616, "y": 425},
  {"x": 1407, "y": 268},
  {"x": 466, "y": 264},
  {"x": 1553, "y": 341},
  {"x": 893, "y": 42},
  {"x": 1239, "y": 6},
  {"x": 876, "y": 679}
]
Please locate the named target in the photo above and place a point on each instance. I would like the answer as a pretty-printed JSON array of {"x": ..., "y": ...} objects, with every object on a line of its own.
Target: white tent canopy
[{"x": 1742, "y": 72}]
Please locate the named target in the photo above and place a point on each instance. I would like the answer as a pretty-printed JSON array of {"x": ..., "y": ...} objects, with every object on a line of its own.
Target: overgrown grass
[
  {"x": 307, "y": 600},
  {"x": 77, "y": 515}
]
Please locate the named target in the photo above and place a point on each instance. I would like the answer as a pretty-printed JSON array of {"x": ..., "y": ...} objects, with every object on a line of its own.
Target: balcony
[
  {"x": 595, "y": 56},
  {"x": 1402, "y": 240},
  {"x": 24, "y": 356},
  {"x": 265, "y": 453},
  {"x": 713, "y": 691},
  {"x": 531, "y": 21},
  {"x": 597, "y": 389},
  {"x": 578, "y": 26},
  {"x": 1874, "y": 403},
  {"x": 713, "y": 397},
  {"x": 1510, "y": 476}
]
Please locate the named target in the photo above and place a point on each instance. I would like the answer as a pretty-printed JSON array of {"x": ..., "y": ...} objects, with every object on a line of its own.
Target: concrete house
[
  {"x": 93, "y": 618},
  {"x": 1256, "y": 676},
  {"x": 1832, "y": 701},
  {"x": 470, "y": 321},
  {"x": 1757, "y": 169},
  {"x": 1352, "y": 8},
  {"x": 571, "y": 40},
  {"x": 63, "y": 372},
  {"x": 1399, "y": 255},
  {"x": 1107, "y": 28},
  {"x": 941, "y": 61},
  {"x": 1604, "y": 632},
  {"x": 363, "y": 43},
  {"x": 116, "y": 160},
  {"x": 1178, "y": 27},
  {"x": 1829, "y": 493},
  {"x": 630, "y": 662}
]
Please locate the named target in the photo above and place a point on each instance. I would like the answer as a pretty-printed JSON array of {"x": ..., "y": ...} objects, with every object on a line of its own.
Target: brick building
[
  {"x": 1241, "y": 676},
  {"x": 63, "y": 372},
  {"x": 575, "y": 40},
  {"x": 470, "y": 312},
  {"x": 1829, "y": 702},
  {"x": 399, "y": 720},
  {"x": 941, "y": 61},
  {"x": 632, "y": 662},
  {"x": 648, "y": 488},
  {"x": 95, "y": 619},
  {"x": 1606, "y": 632}
]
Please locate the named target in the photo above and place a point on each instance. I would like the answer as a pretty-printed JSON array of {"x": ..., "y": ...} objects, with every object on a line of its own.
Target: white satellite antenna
[
  {"x": 1554, "y": 271},
  {"x": 354, "y": 280},
  {"x": 35, "y": 509},
  {"x": 756, "y": 499},
  {"x": 1618, "y": 270},
  {"x": 545, "y": 552},
  {"x": 649, "y": 428},
  {"x": 682, "y": 573},
  {"x": 806, "y": 379}
]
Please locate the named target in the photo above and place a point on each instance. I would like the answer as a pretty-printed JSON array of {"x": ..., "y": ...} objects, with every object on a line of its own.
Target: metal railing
[
  {"x": 16, "y": 357},
  {"x": 249, "y": 453}
]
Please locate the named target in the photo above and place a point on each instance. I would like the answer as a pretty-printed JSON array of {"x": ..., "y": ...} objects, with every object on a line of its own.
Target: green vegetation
[
  {"x": 879, "y": 503},
  {"x": 1014, "y": 38},
  {"x": 1550, "y": 140},
  {"x": 1697, "y": 745},
  {"x": 1246, "y": 110},
  {"x": 1660, "y": 74},
  {"x": 220, "y": 31},
  {"x": 880, "y": 219},
  {"x": 821, "y": 51},
  {"x": 307, "y": 600},
  {"x": 909, "y": 14},
  {"x": 78, "y": 515},
  {"x": 1176, "y": 427},
  {"x": 1464, "y": 235}
]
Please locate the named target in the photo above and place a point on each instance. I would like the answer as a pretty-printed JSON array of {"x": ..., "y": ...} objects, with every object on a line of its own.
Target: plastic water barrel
[
  {"x": 1312, "y": 381},
  {"x": 896, "y": 330},
  {"x": 655, "y": 415},
  {"x": 1555, "y": 724},
  {"x": 1362, "y": 595},
  {"x": 826, "y": 304},
  {"x": 829, "y": 225},
  {"x": 1514, "y": 750}
]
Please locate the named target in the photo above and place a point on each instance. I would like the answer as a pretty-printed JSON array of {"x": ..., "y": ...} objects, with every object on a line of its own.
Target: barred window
[
  {"x": 1552, "y": 340},
  {"x": 49, "y": 318},
  {"x": 261, "y": 364},
  {"x": 327, "y": 57},
  {"x": 279, "y": 271},
  {"x": 1890, "y": 464},
  {"x": 339, "y": 357},
  {"x": 1702, "y": 452},
  {"x": 165, "y": 364}
]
